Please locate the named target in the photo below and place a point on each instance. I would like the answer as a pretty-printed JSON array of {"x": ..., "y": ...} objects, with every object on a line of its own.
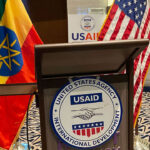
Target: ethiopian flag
[{"x": 17, "y": 40}]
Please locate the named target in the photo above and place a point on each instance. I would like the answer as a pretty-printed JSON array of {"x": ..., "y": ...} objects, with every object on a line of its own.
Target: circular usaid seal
[
  {"x": 86, "y": 113},
  {"x": 87, "y": 23}
]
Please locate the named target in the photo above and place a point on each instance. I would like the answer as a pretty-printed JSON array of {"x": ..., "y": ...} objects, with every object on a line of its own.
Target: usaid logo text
[
  {"x": 85, "y": 36},
  {"x": 85, "y": 113},
  {"x": 86, "y": 98}
]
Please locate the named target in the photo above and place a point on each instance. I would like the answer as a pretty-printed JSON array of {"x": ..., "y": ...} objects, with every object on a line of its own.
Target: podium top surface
[{"x": 69, "y": 59}]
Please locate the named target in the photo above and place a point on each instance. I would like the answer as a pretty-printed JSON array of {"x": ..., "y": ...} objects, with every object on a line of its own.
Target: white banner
[{"x": 84, "y": 27}]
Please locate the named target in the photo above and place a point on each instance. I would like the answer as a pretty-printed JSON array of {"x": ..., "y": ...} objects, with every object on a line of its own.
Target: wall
[{"x": 49, "y": 18}]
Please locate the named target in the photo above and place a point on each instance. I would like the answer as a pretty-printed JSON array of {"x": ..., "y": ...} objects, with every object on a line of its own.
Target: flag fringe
[{"x": 2, "y": 148}]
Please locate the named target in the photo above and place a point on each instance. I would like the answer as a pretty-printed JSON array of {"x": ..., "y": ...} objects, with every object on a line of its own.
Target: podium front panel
[{"x": 52, "y": 141}]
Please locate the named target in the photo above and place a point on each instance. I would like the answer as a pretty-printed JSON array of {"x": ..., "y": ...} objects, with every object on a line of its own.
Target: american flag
[
  {"x": 88, "y": 129},
  {"x": 130, "y": 19}
]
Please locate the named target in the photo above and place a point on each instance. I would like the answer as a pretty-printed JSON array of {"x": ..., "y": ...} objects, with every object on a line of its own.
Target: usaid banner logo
[
  {"x": 86, "y": 112},
  {"x": 86, "y": 98}
]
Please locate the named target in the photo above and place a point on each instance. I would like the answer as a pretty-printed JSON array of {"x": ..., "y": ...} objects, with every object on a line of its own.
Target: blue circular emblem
[
  {"x": 11, "y": 60},
  {"x": 86, "y": 113},
  {"x": 87, "y": 23}
]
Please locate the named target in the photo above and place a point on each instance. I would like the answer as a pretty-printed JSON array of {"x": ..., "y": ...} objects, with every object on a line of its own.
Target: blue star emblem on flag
[{"x": 10, "y": 53}]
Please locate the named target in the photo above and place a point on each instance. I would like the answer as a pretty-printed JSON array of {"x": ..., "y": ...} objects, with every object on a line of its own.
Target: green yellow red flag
[{"x": 17, "y": 40}]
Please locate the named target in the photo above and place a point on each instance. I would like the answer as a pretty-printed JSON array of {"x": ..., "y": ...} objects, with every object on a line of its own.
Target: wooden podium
[{"x": 56, "y": 63}]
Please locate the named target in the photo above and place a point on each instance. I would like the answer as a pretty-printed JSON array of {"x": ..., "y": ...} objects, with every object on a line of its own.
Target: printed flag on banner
[
  {"x": 130, "y": 19},
  {"x": 88, "y": 129},
  {"x": 17, "y": 40}
]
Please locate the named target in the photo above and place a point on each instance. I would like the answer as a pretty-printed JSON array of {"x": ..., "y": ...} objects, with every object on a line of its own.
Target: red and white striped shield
[{"x": 88, "y": 129}]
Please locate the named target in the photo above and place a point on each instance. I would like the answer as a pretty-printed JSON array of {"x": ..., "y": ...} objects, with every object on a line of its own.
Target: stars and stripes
[
  {"x": 88, "y": 129},
  {"x": 130, "y": 19},
  {"x": 133, "y": 8}
]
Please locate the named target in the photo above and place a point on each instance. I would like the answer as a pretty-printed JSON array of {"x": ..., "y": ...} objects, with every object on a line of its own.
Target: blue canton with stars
[
  {"x": 133, "y": 8},
  {"x": 11, "y": 60}
]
